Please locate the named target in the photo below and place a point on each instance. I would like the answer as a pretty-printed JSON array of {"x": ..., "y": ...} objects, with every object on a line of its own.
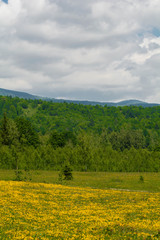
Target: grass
[{"x": 99, "y": 180}]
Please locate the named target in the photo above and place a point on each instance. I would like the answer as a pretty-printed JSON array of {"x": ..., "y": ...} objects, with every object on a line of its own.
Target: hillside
[
  {"x": 47, "y": 115},
  {"x": 132, "y": 102},
  {"x": 5, "y": 92},
  {"x": 37, "y": 134}
]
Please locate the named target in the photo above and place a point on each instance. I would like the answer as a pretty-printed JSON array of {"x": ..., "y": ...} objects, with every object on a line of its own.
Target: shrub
[
  {"x": 141, "y": 178},
  {"x": 66, "y": 173}
]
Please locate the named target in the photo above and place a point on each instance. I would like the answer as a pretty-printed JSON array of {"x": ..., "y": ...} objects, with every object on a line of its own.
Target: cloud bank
[{"x": 94, "y": 50}]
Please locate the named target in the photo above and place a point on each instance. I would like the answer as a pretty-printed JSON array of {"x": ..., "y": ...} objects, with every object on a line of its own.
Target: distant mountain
[
  {"x": 5, "y": 92},
  {"x": 132, "y": 102}
]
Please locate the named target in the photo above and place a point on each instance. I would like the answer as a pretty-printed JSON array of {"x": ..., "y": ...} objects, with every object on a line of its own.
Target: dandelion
[{"x": 46, "y": 211}]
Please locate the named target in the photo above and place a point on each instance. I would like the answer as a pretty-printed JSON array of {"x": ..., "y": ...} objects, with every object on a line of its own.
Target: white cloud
[
  {"x": 97, "y": 50},
  {"x": 9, "y": 13}
]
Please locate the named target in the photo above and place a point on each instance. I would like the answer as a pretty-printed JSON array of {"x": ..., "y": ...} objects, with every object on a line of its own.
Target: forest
[{"x": 36, "y": 134}]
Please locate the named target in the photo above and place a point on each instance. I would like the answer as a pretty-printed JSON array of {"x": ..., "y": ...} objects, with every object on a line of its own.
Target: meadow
[
  {"x": 99, "y": 180},
  {"x": 80, "y": 209}
]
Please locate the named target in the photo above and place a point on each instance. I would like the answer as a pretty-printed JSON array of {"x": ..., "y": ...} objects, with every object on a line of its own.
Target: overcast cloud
[{"x": 95, "y": 50}]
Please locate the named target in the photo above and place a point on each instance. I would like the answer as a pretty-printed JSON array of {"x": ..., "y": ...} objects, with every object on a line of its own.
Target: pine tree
[{"x": 8, "y": 131}]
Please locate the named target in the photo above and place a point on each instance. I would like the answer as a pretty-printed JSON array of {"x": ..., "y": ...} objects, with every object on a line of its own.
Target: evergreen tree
[
  {"x": 4, "y": 130},
  {"x": 27, "y": 133},
  {"x": 9, "y": 131}
]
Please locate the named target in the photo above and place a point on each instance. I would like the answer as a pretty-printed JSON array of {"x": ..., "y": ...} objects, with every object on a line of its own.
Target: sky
[{"x": 85, "y": 50}]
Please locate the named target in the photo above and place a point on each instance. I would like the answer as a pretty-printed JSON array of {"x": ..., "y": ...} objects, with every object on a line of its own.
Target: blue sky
[
  {"x": 156, "y": 32},
  {"x": 6, "y": 1},
  {"x": 88, "y": 49}
]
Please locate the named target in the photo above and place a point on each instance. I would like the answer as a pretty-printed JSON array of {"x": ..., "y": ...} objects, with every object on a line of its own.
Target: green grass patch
[{"x": 99, "y": 180}]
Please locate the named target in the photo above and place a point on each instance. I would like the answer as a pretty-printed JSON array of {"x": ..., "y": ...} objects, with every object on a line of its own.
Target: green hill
[
  {"x": 5, "y": 92},
  {"x": 38, "y": 134}
]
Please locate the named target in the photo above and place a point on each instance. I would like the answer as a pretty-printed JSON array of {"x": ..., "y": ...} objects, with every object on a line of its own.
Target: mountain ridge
[{"x": 130, "y": 102}]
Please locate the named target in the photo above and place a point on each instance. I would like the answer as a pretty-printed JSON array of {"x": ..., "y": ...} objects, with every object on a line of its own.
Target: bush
[
  {"x": 66, "y": 173},
  {"x": 141, "y": 179}
]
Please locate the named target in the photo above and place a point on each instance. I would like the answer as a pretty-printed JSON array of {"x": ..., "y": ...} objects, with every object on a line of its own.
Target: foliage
[
  {"x": 8, "y": 131},
  {"x": 141, "y": 178},
  {"x": 43, "y": 135},
  {"x": 57, "y": 139},
  {"x": 67, "y": 172},
  {"x": 61, "y": 139},
  {"x": 27, "y": 134}
]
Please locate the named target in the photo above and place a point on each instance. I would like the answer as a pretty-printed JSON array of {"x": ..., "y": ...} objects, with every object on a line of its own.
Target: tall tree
[
  {"x": 27, "y": 133},
  {"x": 9, "y": 132}
]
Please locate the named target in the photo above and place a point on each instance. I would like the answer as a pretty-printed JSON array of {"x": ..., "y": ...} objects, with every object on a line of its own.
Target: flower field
[{"x": 47, "y": 211}]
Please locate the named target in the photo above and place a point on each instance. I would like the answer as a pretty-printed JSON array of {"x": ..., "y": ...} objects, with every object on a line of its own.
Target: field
[
  {"x": 99, "y": 180},
  {"x": 79, "y": 209}
]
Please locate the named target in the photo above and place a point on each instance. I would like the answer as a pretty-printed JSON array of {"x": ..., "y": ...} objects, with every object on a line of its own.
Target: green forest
[{"x": 41, "y": 135}]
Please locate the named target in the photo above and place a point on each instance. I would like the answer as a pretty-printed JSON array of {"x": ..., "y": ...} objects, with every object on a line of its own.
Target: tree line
[{"x": 35, "y": 134}]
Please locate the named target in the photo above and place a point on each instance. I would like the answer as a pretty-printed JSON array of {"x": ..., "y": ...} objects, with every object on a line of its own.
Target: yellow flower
[{"x": 46, "y": 211}]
